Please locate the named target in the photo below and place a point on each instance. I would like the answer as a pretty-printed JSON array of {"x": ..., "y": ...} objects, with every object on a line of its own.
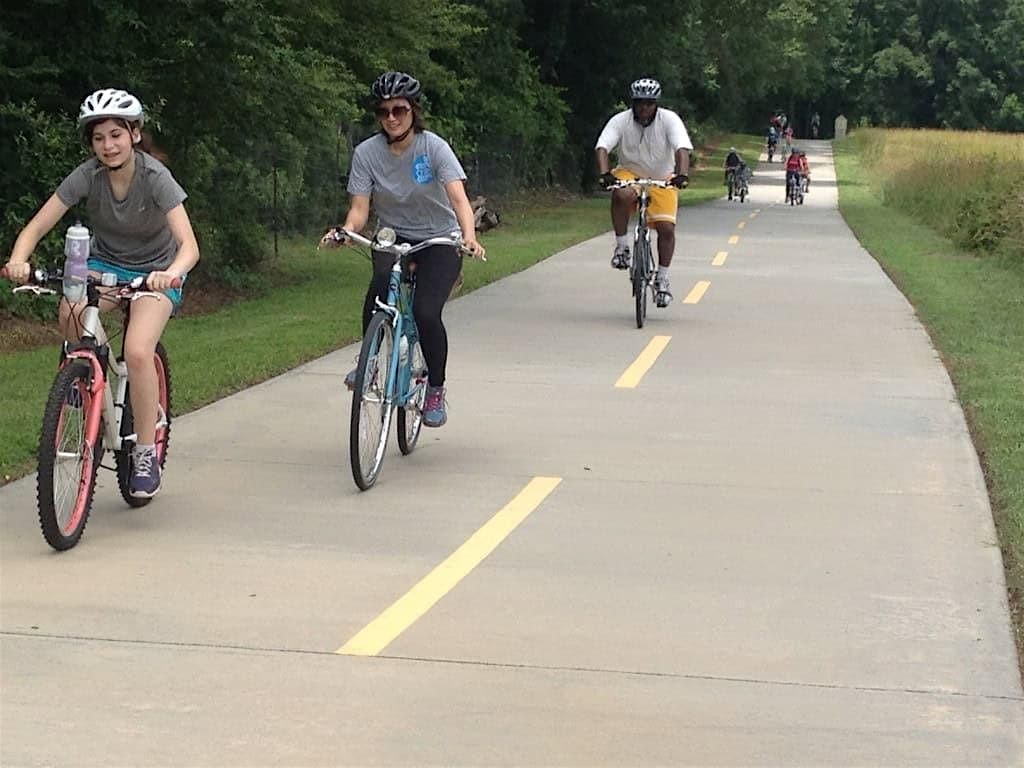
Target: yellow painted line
[
  {"x": 379, "y": 633},
  {"x": 753, "y": 215},
  {"x": 698, "y": 292},
  {"x": 631, "y": 377},
  {"x": 741, "y": 225},
  {"x": 720, "y": 258},
  {"x": 734, "y": 239}
]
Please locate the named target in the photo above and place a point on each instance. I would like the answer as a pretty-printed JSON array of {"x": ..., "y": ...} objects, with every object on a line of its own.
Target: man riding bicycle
[
  {"x": 733, "y": 163},
  {"x": 652, "y": 143}
]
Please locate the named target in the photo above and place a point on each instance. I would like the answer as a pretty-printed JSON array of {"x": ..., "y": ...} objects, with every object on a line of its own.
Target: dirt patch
[
  {"x": 19, "y": 335},
  {"x": 207, "y": 298}
]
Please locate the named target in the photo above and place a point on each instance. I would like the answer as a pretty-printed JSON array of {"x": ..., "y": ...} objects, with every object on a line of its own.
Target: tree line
[{"x": 258, "y": 103}]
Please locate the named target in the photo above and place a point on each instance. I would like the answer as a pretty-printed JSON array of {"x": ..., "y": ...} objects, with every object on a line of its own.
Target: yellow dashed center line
[
  {"x": 741, "y": 225},
  {"x": 632, "y": 375},
  {"x": 734, "y": 239},
  {"x": 698, "y": 292},
  {"x": 720, "y": 258},
  {"x": 753, "y": 215},
  {"x": 378, "y": 634}
]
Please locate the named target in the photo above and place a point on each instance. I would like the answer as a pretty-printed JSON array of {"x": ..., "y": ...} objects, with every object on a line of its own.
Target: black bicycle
[{"x": 642, "y": 269}]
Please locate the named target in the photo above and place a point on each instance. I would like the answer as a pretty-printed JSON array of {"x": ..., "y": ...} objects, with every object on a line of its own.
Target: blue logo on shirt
[{"x": 422, "y": 173}]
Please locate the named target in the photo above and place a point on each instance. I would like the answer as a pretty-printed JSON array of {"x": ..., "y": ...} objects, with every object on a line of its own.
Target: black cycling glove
[
  {"x": 607, "y": 179},
  {"x": 680, "y": 181}
]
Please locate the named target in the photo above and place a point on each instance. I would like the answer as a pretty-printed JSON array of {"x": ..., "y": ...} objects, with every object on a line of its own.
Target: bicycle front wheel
[
  {"x": 641, "y": 275},
  {"x": 410, "y": 415},
  {"x": 66, "y": 479},
  {"x": 123, "y": 458},
  {"x": 371, "y": 404}
]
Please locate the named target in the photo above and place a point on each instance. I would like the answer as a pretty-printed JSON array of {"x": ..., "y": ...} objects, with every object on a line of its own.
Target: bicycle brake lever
[{"x": 38, "y": 290}]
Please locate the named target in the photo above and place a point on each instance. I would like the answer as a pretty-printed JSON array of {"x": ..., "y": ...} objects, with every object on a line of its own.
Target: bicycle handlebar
[
  {"x": 401, "y": 249},
  {"x": 40, "y": 280},
  {"x": 623, "y": 183}
]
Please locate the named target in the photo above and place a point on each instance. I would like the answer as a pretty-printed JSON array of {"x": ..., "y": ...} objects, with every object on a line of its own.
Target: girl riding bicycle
[
  {"x": 140, "y": 227},
  {"x": 416, "y": 185}
]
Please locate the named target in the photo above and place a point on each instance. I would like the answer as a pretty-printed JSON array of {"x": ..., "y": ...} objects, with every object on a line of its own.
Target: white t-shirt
[{"x": 648, "y": 152}]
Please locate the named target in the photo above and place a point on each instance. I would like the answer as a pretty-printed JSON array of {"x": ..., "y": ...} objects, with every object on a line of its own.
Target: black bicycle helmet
[
  {"x": 396, "y": 85},
  {"x": 645, "y": 88}
]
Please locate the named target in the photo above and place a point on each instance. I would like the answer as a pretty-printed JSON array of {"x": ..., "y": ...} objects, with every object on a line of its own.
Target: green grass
[
  {"x": 312, "y": 308},
  {"x": 973, "y": 308}
]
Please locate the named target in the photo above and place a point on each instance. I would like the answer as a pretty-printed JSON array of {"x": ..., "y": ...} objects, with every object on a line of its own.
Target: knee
[
  {"x": 137, "y": 355},
  {"x": 427, "y": 315}
]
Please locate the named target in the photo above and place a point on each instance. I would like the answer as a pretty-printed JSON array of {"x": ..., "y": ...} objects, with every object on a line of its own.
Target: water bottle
[{"x": 76, "y": 261}]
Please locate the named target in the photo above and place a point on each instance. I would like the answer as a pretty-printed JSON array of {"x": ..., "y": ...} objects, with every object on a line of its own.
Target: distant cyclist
[
  {"x": 805, "y": 170},
  {"x": 652, "y": 143},
  {"x": 139, "y": 227},
  {"x": 416, "y": 184},
  {"x": 793, "y": 169},
  {"x": 733, "y": 163},
  {"x": 772, "y": 138}
]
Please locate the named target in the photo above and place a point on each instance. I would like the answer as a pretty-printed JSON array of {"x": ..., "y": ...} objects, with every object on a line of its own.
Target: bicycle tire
[
  {"x": 63, "y": 413},
  {"x": 641, "y": 264},
  {"x": 366, "y": 449},
  {"x": 410, "y": 415},
  {"x": 123, "y": 459}
]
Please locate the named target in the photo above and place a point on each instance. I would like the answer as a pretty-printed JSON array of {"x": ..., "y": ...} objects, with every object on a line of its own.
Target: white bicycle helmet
[
  {"x": 110, "y": 102},
  {"x": 645, "y": 88}
]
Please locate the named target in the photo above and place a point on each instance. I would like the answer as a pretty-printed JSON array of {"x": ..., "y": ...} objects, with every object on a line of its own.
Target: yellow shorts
[{"x": 664, "y": 202}]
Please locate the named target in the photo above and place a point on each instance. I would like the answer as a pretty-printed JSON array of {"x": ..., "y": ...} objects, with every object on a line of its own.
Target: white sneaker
[
  {"x": 620, "y": 259},
  {"x": 662, "y": 293}
]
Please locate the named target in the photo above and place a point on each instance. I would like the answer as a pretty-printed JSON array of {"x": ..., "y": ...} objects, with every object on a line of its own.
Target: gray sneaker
[
  {"x": 145, "y": 479},
  {"x": 620, "y": 259},
  {"x": 435, "y": 409},
  {"x": 662, "y": 292}
]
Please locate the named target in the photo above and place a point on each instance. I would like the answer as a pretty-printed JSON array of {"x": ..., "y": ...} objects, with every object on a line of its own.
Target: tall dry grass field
[{"x": 968, "y": 186}]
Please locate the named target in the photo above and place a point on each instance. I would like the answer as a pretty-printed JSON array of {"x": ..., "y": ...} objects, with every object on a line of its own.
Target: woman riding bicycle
[
  {"x": 416, "y": 185},
  {"x": 140, "y": 227}
]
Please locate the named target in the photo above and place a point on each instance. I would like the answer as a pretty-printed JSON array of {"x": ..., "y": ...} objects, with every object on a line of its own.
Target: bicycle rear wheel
[
  {"x": 641, "y": 275},
  {"x": 66, "y": 479},
  {"x": 371, "y": 411},
  {"x": 410, "y": 416},
  {"x": 123, "y": 458}
]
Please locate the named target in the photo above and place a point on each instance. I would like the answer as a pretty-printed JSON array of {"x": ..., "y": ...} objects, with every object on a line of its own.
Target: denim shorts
[{"x": 98, "y": 265}]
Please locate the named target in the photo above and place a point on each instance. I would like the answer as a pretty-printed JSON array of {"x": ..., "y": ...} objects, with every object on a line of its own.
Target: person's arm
[
  {"x": 456, "y": 191},
  {"x": 46, "y": 218},
  {"x": 188, "y": 251},
  {"x": 682, "y": 162},
  {"x": 610, "y": 137},
  {"x": 355, "y": 220}
]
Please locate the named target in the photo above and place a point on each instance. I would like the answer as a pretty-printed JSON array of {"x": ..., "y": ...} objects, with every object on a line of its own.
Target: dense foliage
[{"x": 258, "y": 103}]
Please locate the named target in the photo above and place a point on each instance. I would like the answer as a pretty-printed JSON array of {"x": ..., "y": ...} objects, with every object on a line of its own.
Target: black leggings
[{"x": 437, "y": 269}]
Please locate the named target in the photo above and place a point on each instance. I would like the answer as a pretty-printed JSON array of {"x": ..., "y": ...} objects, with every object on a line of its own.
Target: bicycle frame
[
  {"x": 399, "y": 388},
  {"x": 93, "y": 348}
]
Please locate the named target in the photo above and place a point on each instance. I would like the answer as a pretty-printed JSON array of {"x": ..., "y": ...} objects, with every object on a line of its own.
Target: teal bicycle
[{"x": 391, "y": 378}]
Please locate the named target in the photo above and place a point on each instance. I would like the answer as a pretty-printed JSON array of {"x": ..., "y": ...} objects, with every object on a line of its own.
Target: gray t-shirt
[
  {"x": 408, "y": 190},
  {"x": 133, "y": 232}
]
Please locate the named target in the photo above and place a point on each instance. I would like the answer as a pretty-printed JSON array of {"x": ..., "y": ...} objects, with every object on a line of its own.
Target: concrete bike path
[{"x": 775, "y": 550}]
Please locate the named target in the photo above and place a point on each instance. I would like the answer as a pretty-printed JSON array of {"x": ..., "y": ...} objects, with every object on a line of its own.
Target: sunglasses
[{"x": 399, "y": 111}]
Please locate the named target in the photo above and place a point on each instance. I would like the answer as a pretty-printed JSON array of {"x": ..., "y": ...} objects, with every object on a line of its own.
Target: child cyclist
[
  {"x": 794, "y": 167},
  {"x": 140, "y": 227},
  {"x": 417, "y": 187}
]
